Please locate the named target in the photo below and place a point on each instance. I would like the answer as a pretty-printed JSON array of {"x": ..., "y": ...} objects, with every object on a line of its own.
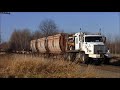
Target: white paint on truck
[{"x": 92, "y": 44}]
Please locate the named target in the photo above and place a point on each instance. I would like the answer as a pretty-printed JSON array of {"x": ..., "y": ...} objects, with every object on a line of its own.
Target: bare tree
[
  {"x": 48, "y": 27},
  {"x": 116, "y": 44},
  {"x": 113, "y": 43},
  {"x": 14, "y": 40},
  {"x": 37, "y": 34},
  {"x": 26, "y": 35},
  {"x": 4, "y": 46},
  {"x": 20, "y": 40}
]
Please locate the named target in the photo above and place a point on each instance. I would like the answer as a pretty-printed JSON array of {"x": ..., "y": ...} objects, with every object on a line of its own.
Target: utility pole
[{"x": 1, "y": 23}]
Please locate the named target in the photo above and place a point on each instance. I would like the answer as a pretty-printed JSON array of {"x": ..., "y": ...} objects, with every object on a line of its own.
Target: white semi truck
[{"x": 86, "y": 48}]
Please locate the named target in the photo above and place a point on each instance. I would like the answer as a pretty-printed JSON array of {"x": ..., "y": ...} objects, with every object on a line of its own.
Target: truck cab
[{"x": 92, "y": 45}]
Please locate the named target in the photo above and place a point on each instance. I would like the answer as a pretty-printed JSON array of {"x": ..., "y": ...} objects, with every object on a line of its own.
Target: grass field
[{"x": 20, "y": 66}]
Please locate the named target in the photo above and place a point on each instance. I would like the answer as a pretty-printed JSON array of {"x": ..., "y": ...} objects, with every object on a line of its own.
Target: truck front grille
[{"x": 98, "y": 49}]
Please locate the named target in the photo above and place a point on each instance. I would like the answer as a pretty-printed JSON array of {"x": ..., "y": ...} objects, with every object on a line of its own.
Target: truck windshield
[{"x": 93, "y": 39}]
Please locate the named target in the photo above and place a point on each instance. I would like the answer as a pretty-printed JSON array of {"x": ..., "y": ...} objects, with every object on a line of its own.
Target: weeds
[{"x": 20, "y": 66}]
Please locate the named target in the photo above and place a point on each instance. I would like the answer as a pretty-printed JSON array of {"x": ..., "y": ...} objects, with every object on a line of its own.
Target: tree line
[
  {"x": 113, "y": 43},
  {"x": 20, "y": 38}
]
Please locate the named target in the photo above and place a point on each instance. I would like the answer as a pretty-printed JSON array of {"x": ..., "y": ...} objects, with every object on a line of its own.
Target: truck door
[{"x": 77, "y": 46}]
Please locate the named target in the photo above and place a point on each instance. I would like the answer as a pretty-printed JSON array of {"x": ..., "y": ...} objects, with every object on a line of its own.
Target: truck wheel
[
  {"x": 84, "y": 58},
  {"x": 106, "y": 61},
  {"x": 65, "y": 56},
  {"x": 69, "y": 56},
  {"x": 97, "y": 62}
]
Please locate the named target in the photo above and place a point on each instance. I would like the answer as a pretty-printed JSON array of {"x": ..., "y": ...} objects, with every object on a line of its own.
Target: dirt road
[{"x": 104, "y": 71}]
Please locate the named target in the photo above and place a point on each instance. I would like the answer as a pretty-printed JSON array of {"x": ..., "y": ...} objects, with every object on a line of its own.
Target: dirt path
[{"x": 103, "y": 71}]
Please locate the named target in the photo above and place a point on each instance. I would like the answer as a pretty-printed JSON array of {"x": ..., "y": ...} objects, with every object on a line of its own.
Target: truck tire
[
  {"x": 97, "y": 62},
  {"x": 106, "y": 61},
  {"x": 69, "y": 57},
  {"x": 65, "y": 56},
  {"x": 84, "y": 58}
]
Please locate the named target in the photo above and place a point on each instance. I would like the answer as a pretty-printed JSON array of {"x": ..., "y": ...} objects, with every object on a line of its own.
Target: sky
[{"x": 109, "y": 22}]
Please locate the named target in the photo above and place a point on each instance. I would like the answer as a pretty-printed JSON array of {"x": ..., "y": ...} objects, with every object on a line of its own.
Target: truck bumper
[{"x": 108, "y": 55}]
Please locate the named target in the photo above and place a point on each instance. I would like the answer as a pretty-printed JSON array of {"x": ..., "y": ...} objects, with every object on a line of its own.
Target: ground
[{"x": 27, "y": 66}]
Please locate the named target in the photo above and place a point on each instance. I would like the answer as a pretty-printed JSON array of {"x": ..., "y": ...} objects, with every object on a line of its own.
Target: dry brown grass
[
  {"x": 19, "y": 66},
  {"x": 90, "y": 72}
]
